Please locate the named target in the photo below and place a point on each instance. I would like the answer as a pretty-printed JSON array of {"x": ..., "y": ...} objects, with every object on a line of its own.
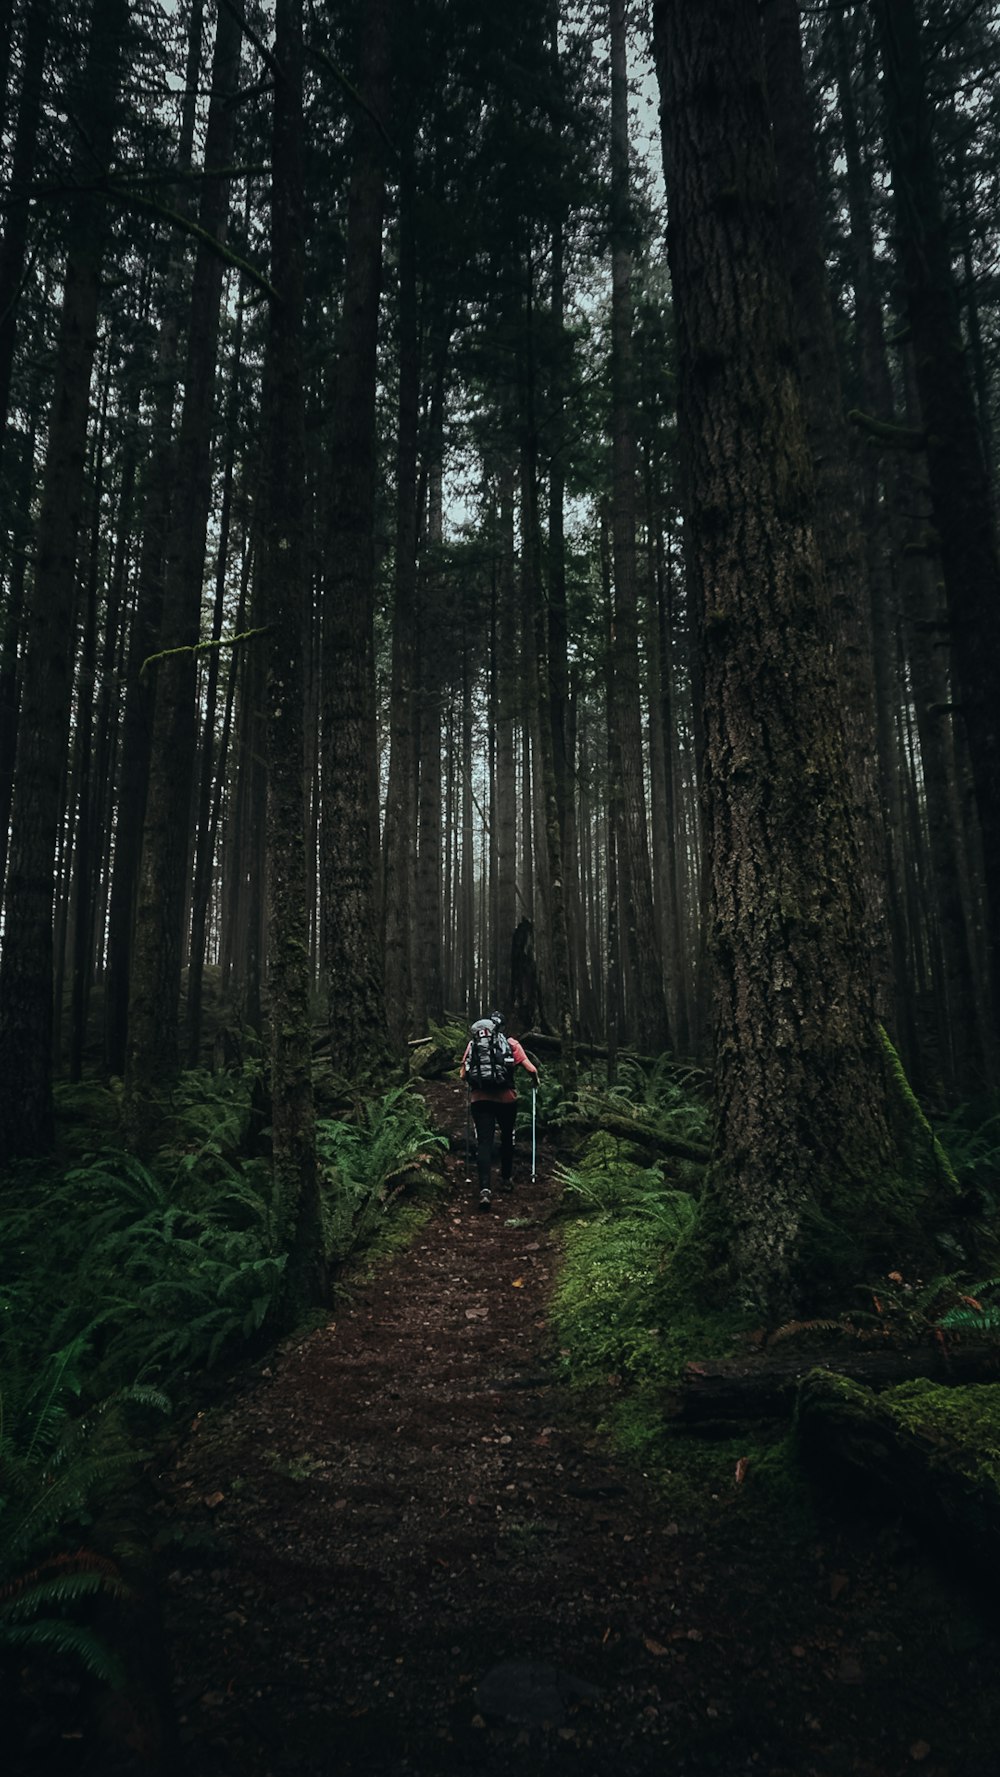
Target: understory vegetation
[
  {"x": 637, "y": 1298},
  {"x": 124, "y": 1283}
]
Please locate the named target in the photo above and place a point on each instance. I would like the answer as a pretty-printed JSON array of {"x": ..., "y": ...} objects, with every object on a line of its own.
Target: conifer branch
[
  {"x": 353, "y": 93},
  {"x": 245, "y": 635},
  {"x": 184, "y": 223},
  {"x": 896, "y": 437}
]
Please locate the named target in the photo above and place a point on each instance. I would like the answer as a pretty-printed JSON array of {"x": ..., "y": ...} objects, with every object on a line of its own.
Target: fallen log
[
  {"x": 929, "y": 1453},
  {"x": 645, "y": 1136},
  {"x": 766, "y": 1386}
]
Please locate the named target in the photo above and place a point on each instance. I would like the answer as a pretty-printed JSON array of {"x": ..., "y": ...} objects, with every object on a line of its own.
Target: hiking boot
[
  {"x": 506, "y": 1184},
  {"x": 485, "y": 1197}
]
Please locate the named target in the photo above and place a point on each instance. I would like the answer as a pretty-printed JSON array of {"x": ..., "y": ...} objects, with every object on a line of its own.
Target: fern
[
  {"x": 359, "y": 1159},
  {"x": 72, "y": 1640},
  {"x": 54, "y": 1472}
]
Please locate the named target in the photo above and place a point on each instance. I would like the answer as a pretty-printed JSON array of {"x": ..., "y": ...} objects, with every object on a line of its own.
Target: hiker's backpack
[{"x": 490, "y": 1067}]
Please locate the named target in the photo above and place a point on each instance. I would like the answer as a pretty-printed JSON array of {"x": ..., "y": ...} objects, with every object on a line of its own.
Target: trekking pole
[{"x": 534, "y": 1101}]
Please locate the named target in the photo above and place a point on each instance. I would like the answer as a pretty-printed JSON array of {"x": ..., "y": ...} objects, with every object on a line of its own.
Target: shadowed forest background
[{"x": 445, "y": 565}]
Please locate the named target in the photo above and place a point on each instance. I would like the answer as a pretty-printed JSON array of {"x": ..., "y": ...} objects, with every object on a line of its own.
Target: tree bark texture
[
  {"x": 400, "y": 812},
  {"x": 802, "y": 1093},
  {"x": 153, "y": 1047},
  {"x": 838, "y": 533},
  {"x": 639, "y": 935},
  {"x": 284, "y": 583},
  {"x": 962, "y": 504},
  {"x": 352, "y": 963},
  {"x": 137, "y": 716},
  {"x": 26, "y": 967}
]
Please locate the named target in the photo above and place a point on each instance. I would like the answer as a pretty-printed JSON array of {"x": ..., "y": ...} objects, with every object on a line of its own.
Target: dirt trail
[{"x": 403, "y": 1550}]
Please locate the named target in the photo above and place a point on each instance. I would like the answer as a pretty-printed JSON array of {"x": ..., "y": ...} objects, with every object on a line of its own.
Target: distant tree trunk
[
  {"x": 26, "y": 967},
  {"x": 802, "y": 1088},
  {"x": 137, "y": 716},
  {"x": 206, "y": 826},
  {"x": 15, "y": 236},
  {"x": 538, "y": 680},
  {"x": 506, "y": 785},
  {"x": 153, "y": 1050},
  {"x": 284, "y": 583},
  {"x": 962, "y": 504},
  {"x": 648, "y": 1013},
  {"x": 352, "y": 966},
  {"x": 19, "y": 478},
  {"x": 400, "y": 810},
  {"x": 84, "y": 861},
  {"x": 428, "y": 984}
]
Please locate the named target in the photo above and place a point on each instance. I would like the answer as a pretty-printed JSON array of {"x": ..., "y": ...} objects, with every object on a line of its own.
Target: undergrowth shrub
[
  {"x": 970, "y": 1136},
  {"x": 55, "y": 1472},
  {"x": 158, "y": 1275},
  {"x": 362, "y": 1160}
]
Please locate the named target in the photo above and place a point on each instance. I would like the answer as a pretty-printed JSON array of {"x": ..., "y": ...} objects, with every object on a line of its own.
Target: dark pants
[{"x": 486, "y": 1117}]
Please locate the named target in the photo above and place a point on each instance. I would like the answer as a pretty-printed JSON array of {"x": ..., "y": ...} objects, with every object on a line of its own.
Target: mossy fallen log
[
  {"x": 653, "y": 1143},
  {"x": 765, "y": 1386},
  {"x": 930, "y": 1452}
]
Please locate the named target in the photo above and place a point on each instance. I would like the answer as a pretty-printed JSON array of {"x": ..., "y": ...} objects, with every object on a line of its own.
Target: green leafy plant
[
  {"x": 158, "y": 1275},
  {"x": 361, "y": 1160},
  {"x": 54, "y": 1472}
]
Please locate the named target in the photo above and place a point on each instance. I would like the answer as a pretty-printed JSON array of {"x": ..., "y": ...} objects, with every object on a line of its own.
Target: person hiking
[{"x": 488, "y": 1067}]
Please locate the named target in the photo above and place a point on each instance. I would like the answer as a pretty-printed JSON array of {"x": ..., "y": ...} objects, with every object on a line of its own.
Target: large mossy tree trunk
[
  {"x": 284, "y": 579},
  {"x": 26, "y": 968},
  {"x": 838, "y": 534},
  {"x": 802, "y": 1082}
]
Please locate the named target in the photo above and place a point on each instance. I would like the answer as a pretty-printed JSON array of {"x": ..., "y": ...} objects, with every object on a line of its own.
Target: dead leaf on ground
[
  {"x": 518, "y": 1283},
  {"x": 654, "y": 1647},
  {"x": 741, "y": 1468},
  {"x": 838, "y": 1583},
  {"x": 476, "y": 1313},
  {"x": 919, "y": 1750},
  {"x": 214, "y": 1499}
]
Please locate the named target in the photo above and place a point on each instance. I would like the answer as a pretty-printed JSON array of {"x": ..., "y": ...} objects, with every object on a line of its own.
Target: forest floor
[{"x": 405, "y": 1547}]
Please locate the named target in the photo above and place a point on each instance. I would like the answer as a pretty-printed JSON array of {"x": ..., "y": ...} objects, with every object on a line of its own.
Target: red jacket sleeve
[{"x": 520, "y": 1057}]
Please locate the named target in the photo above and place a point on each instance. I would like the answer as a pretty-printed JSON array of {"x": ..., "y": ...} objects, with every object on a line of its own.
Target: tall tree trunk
[
  {"x": 284, "y": 583},
  {"x": 959, "y": 486},
  {"x": 428, "y": 987},
  {"x": 26, "y": 967},
  {"x": 206, "y": 826},
  {"x": 15, "y": 236},
  {"x": 153, "y": 1051},
  {"x": 802, "y": 1087},
  {"x": 84, "y": 863},
  {"x": 352, "y": 964},
  {"x": 504, "y": 824},
  {"x": 400, "y": 809},
  {"x": 20, "y": 478},
  {"x": 837, "y": 533},
  {"x": 137, "y": 717},
  {"x": 648, "y": 1013}
]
